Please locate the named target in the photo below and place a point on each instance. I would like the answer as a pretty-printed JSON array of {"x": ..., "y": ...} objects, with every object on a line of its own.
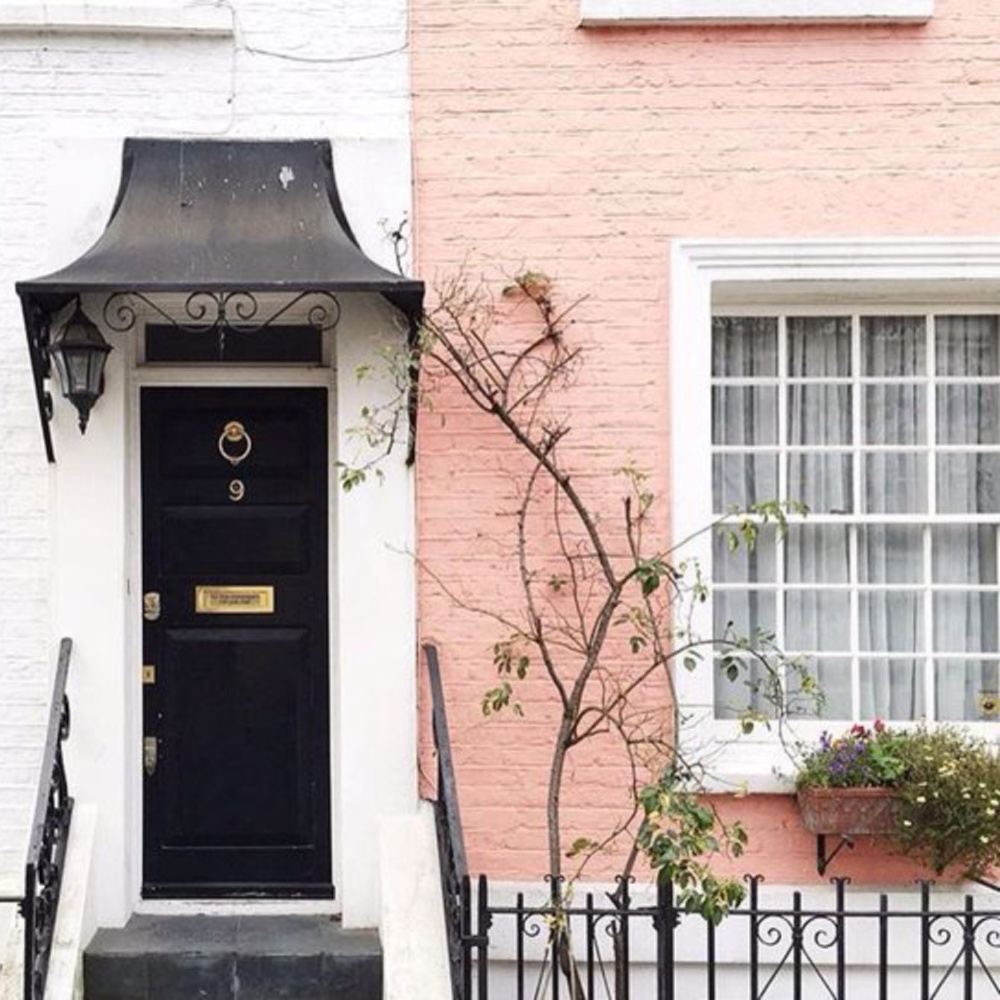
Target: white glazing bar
[
  {"x": 996, "y": 543},
  {"x": 932, "y": 434},
  {"x": 779, "y": 554},
  {"x": 930, "y": 708},
  {"x": 853, "y": 568},
  {"x": 865, "y": 588},
  {"x": 914, "y": 519}
]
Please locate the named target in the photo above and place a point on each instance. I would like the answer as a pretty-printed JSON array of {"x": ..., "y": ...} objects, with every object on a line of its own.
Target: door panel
[
  {"x": 237, "y": 797},
  {"x": 252, "y": 540}
]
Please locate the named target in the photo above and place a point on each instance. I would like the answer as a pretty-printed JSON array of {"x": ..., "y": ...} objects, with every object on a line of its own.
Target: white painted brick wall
[{"x": 60, "y": 93}]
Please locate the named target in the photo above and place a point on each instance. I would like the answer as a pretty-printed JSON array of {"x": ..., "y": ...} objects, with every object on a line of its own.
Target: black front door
[{"x": 235, "y": 642}]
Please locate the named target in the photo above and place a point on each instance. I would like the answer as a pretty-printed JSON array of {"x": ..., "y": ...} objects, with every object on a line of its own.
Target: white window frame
[
  {"x": 914, "y": 270},
  {"x": 597, "y": 13}
]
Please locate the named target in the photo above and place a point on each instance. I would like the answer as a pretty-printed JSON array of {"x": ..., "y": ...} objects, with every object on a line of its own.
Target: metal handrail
[
  {"x": 451, "y": 842},
  {"x": 48, "y": 840}
]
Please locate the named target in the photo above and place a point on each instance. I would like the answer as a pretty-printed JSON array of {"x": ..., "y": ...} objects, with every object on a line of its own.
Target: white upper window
[
  {"x": 861, "y": 378},
  {"x": 612, "y": 12}
]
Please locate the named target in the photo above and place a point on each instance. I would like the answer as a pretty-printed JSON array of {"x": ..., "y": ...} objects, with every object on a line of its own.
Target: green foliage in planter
[
  {"x": 948, "y": 783},
  {"x": 951, "y": 799},
  {"x": 860, "y": 758}
]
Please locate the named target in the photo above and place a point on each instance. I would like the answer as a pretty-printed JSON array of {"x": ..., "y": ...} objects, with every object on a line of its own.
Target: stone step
[{"x": 233, "y": 958}]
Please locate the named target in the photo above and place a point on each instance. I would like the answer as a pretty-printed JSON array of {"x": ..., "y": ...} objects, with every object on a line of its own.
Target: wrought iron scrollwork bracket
[{"x": 220, "y": 311}]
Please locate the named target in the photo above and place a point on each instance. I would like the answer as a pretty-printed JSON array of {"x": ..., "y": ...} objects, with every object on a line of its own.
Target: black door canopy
[
  {"x": 223, "y": 216},
  {"x": 217, "y": 217}
]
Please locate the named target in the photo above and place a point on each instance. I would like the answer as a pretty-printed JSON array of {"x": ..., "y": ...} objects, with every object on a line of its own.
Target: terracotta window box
[{"x": 849, "y": 811}]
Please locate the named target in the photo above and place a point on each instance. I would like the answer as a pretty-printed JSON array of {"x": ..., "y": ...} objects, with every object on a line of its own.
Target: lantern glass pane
[{"x": 78, "y": 366}]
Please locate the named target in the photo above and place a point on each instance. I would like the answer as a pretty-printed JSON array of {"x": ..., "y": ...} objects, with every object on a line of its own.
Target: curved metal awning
[{"x": 218, "y": 218}]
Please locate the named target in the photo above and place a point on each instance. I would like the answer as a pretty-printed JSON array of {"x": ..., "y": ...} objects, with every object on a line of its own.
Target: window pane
[
  {"x": 747, "y": 691},
  {"x": 756, "y": 565},
  {"x": 892, "y": 689},
  {"x": 965, "y": 623},
  {"x": 891, "y": 621},
  {"x": 740, "y": 480},
  {"x": 821, "y": 481},
  {"x": 968, "y": 483},
  {"x": 817, "y": 619},
  {"x": 816, "y": 553},
  {"x": 890, "y": 554},
  {"x": 744, "y": 415},
  {"x": 967, "y": 690},
  {"x": 834, "y": 677},
  {"x": 893, "y": 346},
  {"x": 819, "y": 347},
  {"x": 964, "y": 554},
  {"x": 967, "y": 345},
  {"x": 748, "y": 612},
  {"x": 894, "y": 414},
  {"x": 968, "y": 414},
  {"x": 283, "y": 344},
  {"x": 819, "y": 414},
  {"x": 744, "y": 346},
  {"x": 894, "y": 482}
]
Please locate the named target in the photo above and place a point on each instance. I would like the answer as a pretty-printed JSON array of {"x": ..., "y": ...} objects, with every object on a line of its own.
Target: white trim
[
  {"x": 700, "y": 268},
  {"x": 117, "y": 20},
  {"x": 208, "y": 376},
  {"x": 411, "y": 923},
  {"x": 237, "y": 907},
  {"x": 96, "y": 531},
  {"x": 596, "y": 13}
]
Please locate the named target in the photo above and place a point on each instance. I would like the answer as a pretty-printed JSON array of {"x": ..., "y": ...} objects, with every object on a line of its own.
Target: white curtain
[{"x": 966, "y": 621}]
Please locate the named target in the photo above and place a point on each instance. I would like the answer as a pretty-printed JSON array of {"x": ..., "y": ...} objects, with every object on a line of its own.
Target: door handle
[{"x": 150, "y": 752}]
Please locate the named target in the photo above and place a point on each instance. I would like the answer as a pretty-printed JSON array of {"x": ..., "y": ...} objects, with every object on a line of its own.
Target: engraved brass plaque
[{"x": 212, "y": 600}]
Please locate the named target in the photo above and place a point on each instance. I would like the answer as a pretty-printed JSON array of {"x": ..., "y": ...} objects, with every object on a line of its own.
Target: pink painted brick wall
[{"x": 584, "y": 153}]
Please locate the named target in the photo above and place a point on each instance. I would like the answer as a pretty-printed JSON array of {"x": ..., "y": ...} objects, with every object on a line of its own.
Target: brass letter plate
[{"x": 210, "y": 600}]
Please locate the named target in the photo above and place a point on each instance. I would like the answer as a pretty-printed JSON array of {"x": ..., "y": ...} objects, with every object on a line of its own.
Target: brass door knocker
[{"x": 234, "y": 433}]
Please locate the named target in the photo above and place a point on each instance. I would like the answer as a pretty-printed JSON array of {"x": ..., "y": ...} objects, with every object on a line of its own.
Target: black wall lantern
[{"x": 79, "y": 352}]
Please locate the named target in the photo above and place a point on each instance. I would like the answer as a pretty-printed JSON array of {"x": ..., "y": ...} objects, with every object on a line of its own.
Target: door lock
[
  {"x": 151, "y": 606},
  {"x": 150, "y": 752}
]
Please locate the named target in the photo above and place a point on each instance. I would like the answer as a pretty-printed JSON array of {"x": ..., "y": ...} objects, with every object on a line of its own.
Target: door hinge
[
  {"x": 148, "y": 674},
  {"x": 150, "y": 752}
]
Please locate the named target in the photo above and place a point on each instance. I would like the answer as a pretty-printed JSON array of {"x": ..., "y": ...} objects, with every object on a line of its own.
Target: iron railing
[
  {"x": 451, "y": 843},
  {"x": 49, "y": 837},
  {"x": 566, "y": 945},
  {"x": 612, "y": 948}
]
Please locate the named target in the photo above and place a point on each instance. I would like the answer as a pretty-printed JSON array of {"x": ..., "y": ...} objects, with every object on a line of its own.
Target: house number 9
[{"x": 237, "y": 490}]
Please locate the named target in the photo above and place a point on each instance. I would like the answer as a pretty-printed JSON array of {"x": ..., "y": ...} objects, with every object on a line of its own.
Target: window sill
[
  {"x": 116, "y": 20},
  {"x": 610, "y": 13}
]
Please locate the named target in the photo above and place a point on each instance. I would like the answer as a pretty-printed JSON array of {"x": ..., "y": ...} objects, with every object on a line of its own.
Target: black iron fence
[
  {"x": 39, "y": 902},
  {"x": 834, "y": 943},
  {"x": 616, "y": 947}
]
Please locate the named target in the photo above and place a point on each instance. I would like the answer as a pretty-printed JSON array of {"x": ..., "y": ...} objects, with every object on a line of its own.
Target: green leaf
[{"x": 580, "y": 845}]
